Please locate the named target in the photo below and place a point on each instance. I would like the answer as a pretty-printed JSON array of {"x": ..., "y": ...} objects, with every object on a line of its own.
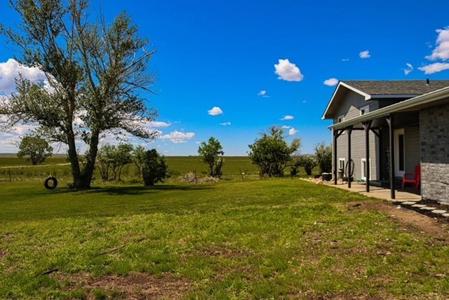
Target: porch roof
[{"x": 413, "y": 104}]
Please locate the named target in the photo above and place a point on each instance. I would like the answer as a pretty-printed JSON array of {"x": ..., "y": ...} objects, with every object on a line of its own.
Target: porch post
[
  {"x": 335, "y": 156},
  {"x": 390, "y": 120},
  {"x": 367, "y": 127},
  {"x": 349, "y": 129}
]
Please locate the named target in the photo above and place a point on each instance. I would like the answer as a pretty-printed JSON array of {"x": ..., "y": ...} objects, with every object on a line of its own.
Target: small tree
[
  {"x": 138, "y": 157},
  {"x": 34, "y": 149},
  {"x": 271, "y": 153},
  {"x": 308, "y": 162},
  {"x": 323, "y": 155},
  {"x": 112, "y": 159},
  {"x": 105, "y": 156},
  {"x": 212, "y": 154},
  {"x": 154, "y": 168}
]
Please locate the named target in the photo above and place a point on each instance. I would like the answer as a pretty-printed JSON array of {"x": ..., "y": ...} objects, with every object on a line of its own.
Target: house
[{"x": 388, "y": 128}]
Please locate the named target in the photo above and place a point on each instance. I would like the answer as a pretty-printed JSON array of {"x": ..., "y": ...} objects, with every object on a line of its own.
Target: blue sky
[{"x": 223, "y": 54}]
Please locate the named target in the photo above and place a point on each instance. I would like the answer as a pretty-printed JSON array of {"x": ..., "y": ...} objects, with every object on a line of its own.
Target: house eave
[{"x": 409, "y": 104}]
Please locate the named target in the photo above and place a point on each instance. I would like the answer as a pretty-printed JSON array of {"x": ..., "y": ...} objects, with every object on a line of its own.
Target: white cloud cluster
[
  {"x": 287, "y": 118},
  {"x": 331, "y": 82},
  {"x": 434, "y": 68},
  {"x": 263, "y": 93},
  {"x": 440, "y": 52},
  {"x": 225, "y": 124},
  {"x": 12, "y": 69},
  {"x": 408, "y": 68},
  {"x": 288, "y": 71},
  {"x": 178, "y": 137},
  {"x": 215, "y": 111},
  {"x": 364, "y": 54}
]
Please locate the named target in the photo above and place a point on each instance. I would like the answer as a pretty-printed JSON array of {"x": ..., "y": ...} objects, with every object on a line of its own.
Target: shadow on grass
[{"x": 134, "y": 189}]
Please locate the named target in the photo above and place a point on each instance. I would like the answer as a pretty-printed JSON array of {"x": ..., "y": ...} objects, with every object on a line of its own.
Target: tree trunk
[
  {"x": 88, "y": 172},
  {"x": 74, "y": 163}
]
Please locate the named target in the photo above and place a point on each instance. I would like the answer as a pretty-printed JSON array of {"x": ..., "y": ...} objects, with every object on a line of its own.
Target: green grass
[{"x": 254, "y": 239}]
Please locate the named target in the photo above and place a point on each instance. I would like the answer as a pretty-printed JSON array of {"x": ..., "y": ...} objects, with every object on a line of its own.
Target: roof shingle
[{"x": 397, "y": 87}]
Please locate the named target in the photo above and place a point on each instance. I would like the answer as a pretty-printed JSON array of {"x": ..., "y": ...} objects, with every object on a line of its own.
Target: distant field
[{"x": 15, "y": 169}]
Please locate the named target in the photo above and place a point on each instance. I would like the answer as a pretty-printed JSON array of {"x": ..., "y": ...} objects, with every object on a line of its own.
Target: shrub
[
  {"x": 271, "y": 153},
  {"x": 112, "y": 159},
  {"x": 308, "y": 162},
  {"x": 323, "y": 155},
  {"x": 154, "y": 168}
]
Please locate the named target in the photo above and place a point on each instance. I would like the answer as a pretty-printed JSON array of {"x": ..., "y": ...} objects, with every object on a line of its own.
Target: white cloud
[
  {"x": 178, "y": 137},
  {"x": 287, "y": 71},
  {"x": 215, "y": 111},
  {"x": 158, "y": 124},
  {"x": 434, "y": 68},
  {"x": 287, "y": 118},
  {"x": 331, "y": 82},
  {"x": 225, "y": 124},
  {"x": 441, "y": 50},
  {"x": 10, "y": 71},
  {"x": 285, "y": 127},
  {"x": 263, "y": 93},
  {"x": 408, "y": 69},
  {"x": 364, "y": 54},
  {"x": 292, "y": 131}
]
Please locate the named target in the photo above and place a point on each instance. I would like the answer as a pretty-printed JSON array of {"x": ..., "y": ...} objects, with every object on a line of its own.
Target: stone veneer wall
[{"x": 434, "y": 137}]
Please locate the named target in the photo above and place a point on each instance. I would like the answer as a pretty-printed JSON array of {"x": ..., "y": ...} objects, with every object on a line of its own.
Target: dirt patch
[
  {"x": 132, "y": 286},
  {"x": 2, "y": 254},
  {"x": 407, "y": 218}
]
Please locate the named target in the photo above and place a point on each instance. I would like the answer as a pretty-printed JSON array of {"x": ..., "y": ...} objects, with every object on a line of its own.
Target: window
[{"x": 364, "y": 110}]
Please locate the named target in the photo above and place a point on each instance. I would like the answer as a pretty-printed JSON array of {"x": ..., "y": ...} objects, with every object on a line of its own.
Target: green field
[
  {"x": 14, "y": 169},
  {"x": 255, "y": 239}
]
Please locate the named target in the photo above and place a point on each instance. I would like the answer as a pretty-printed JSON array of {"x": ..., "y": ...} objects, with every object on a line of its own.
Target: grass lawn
[{"x": 254, "y": 239}]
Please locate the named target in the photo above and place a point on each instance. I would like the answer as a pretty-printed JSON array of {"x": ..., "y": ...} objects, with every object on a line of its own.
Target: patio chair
[{"x": 414, "y": 179}]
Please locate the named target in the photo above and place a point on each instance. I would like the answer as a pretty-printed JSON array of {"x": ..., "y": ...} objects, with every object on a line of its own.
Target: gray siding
[
  {"x": 350, "y": 108},
  {"x": 434, "y": 134}
]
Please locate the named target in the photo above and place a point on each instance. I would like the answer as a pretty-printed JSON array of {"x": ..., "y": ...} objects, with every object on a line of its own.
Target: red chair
[{"x": 414, "y": 179}]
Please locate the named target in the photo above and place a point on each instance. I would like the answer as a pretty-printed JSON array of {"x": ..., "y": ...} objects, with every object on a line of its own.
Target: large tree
[{"x": 95, "y": 74}]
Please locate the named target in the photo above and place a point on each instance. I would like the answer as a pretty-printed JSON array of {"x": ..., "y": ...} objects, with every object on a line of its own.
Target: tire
[{"x": 51, "y": 183}]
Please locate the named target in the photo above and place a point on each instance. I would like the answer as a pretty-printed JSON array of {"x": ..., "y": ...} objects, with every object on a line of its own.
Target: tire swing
[
  {"x": 352, "y": 165},
  {"x": 51, "y": 183}
]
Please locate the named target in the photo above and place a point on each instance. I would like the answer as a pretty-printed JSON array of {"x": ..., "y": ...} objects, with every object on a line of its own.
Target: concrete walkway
[{"x": 375, "y": 192}]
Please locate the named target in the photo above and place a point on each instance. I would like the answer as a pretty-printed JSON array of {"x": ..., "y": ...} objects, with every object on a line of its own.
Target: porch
[{"x": 407, "y": 195}]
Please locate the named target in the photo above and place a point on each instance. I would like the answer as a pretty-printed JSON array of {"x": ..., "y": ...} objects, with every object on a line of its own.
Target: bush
[
  {"x": 323, "y": 155},
  {"x": 112, "y": 159},
  {"x": 308, "y": 162},
  {"x": 271, "y": 153},
  {"x": 154, "y": 168}
]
